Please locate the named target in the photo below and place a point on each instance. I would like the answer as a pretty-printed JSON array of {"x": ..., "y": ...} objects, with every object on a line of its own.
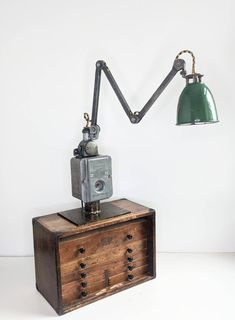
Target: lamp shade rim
[{"x": 196, "y": 123}]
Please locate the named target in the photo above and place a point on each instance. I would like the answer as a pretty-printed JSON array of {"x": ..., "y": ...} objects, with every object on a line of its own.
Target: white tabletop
[{"x": 188, "y": 286}]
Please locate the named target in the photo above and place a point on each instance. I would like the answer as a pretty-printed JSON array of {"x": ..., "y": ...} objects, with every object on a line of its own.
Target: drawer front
[
  {"x": 72, "y": 271},
  {"x": 100, "y": 241},
  {"x": 73, "y": 291},
  {"x": 103, "y": 258}
]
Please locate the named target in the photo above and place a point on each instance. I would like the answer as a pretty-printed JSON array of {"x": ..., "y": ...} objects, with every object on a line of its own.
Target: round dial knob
[
  {"x": 91, "y": 148},
  {"x": 99, "y": 185}
]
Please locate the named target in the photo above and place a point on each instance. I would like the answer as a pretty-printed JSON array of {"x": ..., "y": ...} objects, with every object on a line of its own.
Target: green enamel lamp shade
[{"x": 196, "y": 105}]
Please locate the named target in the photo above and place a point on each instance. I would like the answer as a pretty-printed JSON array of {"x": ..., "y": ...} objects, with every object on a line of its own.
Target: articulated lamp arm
[
  {"x": 91, "y": 173},
  {"x": 87, "y": 147},
  {"x": 135, "y": 117}
]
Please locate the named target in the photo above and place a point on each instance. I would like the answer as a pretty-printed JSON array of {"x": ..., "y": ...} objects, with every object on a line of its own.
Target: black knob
[
  {"x": 82, "y": 265},
  {"x": 130, "y": 259},
  {"x": 129, "y": 236},
  {"x": 84, "y": 284},
  {"x": 83, "y": 294},
  {"x": 130, "y": 268},
  {"x": 129, "y": 250},
  {"x": 83, "y": 275},
  {"x": 82, "y": 250},
  {"x": 130, "y": 276}
]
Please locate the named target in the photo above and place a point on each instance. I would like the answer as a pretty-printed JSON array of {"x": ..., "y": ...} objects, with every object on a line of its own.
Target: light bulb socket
[{"x": 193, "y": 78}]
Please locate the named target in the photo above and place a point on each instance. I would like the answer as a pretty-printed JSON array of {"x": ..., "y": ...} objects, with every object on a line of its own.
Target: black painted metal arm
[{"x": 135, "y": 117}]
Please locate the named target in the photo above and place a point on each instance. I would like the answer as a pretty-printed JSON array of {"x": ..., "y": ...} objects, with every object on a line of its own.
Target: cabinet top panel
[{"x": 62, "y": 227}]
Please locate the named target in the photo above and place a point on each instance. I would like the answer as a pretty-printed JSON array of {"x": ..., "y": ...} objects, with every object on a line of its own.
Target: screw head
[
  {"x": 129, "y": 250},
  {"x": 129, "y": 236},
  {"x": 130, "y": 268},
  {"x": 83, "y": 275},
  {"x": 84, "y": 284},
  {"x": 82, "y": 250},
  {"x": 82, "y": 265}
]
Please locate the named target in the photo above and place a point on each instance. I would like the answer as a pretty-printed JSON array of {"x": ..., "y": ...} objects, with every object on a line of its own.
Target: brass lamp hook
[{"x": 87, "y": 118}]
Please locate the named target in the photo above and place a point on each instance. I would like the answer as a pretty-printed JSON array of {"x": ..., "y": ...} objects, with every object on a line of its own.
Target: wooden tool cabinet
[{"x": 77, "y": 265}]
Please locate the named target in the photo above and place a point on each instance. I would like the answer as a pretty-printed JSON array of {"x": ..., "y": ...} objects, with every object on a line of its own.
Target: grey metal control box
[{"x": 92, "y": 178}]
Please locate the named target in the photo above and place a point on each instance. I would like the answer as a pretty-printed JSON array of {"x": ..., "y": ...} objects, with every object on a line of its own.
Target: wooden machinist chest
[{"x": 77, "y": 265}]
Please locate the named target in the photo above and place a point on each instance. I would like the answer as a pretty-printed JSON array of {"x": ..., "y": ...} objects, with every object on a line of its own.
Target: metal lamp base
[{"x": 79, "y": 217}]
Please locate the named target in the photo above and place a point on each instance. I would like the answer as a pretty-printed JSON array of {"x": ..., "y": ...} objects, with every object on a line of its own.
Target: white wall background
[{"x": 48, "y": 51}]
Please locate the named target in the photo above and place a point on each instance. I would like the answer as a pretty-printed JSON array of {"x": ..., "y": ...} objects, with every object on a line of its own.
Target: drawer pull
[
  {"x": 130, "y": 277},
  {"x": 130, "y": 268},
  {"x": 82, "y": 250},
  {"x": 83, "y": 294}
]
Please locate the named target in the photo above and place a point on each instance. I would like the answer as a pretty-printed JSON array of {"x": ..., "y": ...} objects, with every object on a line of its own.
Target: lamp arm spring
[{"x": 135, "y": 117}]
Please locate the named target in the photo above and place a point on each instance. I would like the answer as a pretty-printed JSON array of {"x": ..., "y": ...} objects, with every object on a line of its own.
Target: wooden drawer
[
  {"x": 103, "y": 260},
  {"x": 72, "y": 291},
  {"x": 77, "y": 265},
  {"x": 102, "y": 273},
  {"x": 72, "y": 271},
  {"x": 139, "y": 271},
  {"x": 96, "y": 243}
]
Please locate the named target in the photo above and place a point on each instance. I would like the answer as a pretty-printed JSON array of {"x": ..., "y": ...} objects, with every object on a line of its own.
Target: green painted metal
[{"x": 196, "y": 105}]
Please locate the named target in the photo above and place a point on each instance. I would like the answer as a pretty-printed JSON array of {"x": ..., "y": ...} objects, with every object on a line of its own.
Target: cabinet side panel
[
  {"x": 45, "y": 264},
  {"x": 152, "y": 244}
]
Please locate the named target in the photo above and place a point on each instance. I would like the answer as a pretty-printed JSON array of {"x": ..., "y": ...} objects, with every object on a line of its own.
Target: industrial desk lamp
[
  {"x": 92, "y": 173},
  {"x": 104, "y": 248}
]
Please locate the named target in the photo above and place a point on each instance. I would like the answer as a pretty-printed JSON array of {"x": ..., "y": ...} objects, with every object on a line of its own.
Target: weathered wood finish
[{"x": 77, "y": 265}]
